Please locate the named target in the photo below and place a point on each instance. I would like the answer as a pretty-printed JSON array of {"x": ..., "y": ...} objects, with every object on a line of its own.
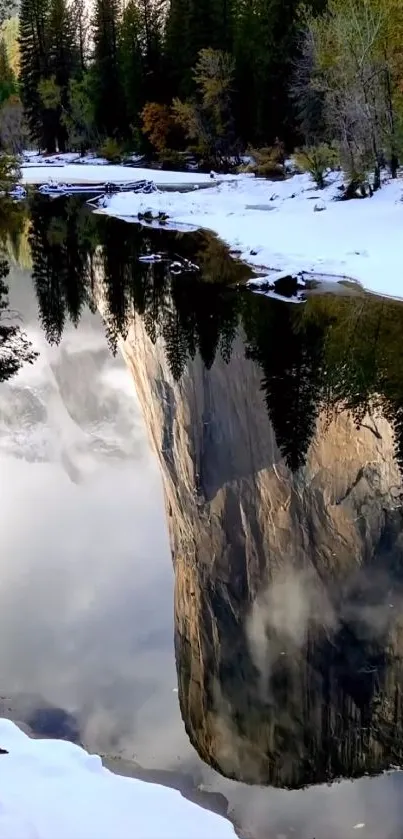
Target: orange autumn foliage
[{"x": 157, "y": 124}]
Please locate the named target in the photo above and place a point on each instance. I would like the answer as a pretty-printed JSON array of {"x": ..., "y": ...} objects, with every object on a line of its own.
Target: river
[{"x": 202, "y": 524}]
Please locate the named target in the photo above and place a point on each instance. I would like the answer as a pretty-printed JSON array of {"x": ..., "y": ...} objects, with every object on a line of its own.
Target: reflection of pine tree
[
  {"x": 77, "y": 260},
  {"x": 149, "y": 292},
  {"x": 60, "y": 263},
  {"x": 15, "y": 349},
  {"x": 354, "y": 352},
  {"x": 185, "y": 299},
  {"x": 292, "y": 360},
  {"x": 47, "y": 271},
  {"x": 175, "y": 344},
  {"x": 215, "y": 319},
  {"x": 208, "y": 316},
  {"x": 393, "y": 410},
  {"x": 228, "y": 333},
  {"x": 120, "y": 258}
]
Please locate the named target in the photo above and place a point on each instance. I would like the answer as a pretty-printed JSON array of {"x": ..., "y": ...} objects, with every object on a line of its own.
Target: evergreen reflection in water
[
  {"x": 266, "y": 698},
  {"x": 334, "y": 353}
]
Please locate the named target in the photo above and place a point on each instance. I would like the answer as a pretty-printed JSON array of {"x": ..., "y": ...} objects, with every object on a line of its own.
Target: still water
[{"x": 202, "y": 524}]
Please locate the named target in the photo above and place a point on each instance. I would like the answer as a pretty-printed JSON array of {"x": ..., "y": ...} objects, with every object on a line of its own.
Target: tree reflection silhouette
[
  {"x": 15, "y": 348},
  {"x": 291, "y": 354},
  {"x": 332, "y": 354}
]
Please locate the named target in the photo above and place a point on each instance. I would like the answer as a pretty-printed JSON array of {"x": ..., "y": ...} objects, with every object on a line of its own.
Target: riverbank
[
  {"x": 62, "y": 169},
  {"x": 52, "y": 789},
  {"x": 290, "y": 227},
  {"x": 280, "y": 228}
]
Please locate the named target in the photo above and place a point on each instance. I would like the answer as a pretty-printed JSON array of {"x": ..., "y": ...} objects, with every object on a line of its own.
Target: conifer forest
[{"x": 214, "y": 79}]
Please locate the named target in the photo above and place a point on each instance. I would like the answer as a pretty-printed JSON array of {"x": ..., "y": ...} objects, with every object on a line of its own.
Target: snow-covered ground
[
  {"x": 32, "y": 158},
  {"x": 52, "y": 789},
  {"x": 97, "y": 171},
  {"x": 278, "y": 227},
  {"x": 291, "y": 226}
]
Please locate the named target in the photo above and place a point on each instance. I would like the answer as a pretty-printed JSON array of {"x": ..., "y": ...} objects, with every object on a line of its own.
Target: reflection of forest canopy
[
  {"x": 334, "y": 353},
  {"x": 15, "y": 349}
]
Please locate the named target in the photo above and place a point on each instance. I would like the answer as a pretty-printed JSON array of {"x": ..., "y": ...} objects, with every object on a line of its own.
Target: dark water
[{"x": 276, "y": 678}]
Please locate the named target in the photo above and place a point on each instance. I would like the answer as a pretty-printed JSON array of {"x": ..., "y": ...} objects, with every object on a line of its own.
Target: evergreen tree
[
  {"x": 108, "y": 91},
  {"x": 34, "y": 68},
  {"x": 179, "y": 56},
  {"x": 80, "y": 20},
  {"x": 49, "y": 59},
  {"x": 193, "y": 25},
  {"x": 7, "y": 78},
  {"x": 151, "y": 17},
  {"x": 132, "y": 63},
  {"x": 265, "y": 45},
  {"x": 63, "y": 61}
]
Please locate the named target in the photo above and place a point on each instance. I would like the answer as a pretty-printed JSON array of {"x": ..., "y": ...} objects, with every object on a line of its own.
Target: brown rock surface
[{"x": 287, "y": 632}]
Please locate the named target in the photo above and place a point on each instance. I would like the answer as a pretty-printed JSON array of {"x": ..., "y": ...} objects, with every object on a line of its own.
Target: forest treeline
[{"x": 213, "y": 78}]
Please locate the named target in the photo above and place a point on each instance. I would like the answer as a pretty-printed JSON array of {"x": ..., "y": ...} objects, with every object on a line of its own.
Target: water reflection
[
  {"x": 336, "y": 353},
  {"x": 279, "y": 434},
  {"x": 15, "y": 348}
]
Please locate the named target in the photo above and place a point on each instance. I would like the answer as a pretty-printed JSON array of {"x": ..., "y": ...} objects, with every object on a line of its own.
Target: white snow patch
[
  {"x": 359, "y": 239},
  {"x": 95, "y": 171},
  {"x": 52, "y": 789}
]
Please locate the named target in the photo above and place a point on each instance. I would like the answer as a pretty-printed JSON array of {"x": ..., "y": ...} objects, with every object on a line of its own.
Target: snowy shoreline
[
  {"x": 279, "y": 228},
  {"x": 53, "y": 789},
  {"x": 290, "y": 227}
]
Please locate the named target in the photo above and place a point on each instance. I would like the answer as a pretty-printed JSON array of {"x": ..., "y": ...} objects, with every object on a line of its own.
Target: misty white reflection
[{"x": 86, "y": 586}]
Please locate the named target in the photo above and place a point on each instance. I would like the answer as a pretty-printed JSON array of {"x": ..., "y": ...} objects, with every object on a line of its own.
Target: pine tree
[
  {"x": 193, "y": 25},
  {"x": 34, "y": 68},
  {"x": 109, "y": 99},
  {"x": 178, "y": 54},
  {"x": 81, "y": 25},
  {"x": 151, "y": 16},
  {"x": 63, "y": 59},
  {"x": 265, "y": 45},
  {"x": 7, "y": 78},
  {"x": 131, "y": 62}
]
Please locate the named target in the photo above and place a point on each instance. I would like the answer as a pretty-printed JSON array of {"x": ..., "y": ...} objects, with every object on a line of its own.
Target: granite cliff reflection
[
  {"x": 279, "y": 431},
  {"x": 282, "y": 481}
]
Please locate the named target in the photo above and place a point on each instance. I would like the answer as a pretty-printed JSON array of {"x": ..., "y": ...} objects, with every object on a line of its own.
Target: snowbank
[
  {"x": 52, "y": 789},
  {"x": 292, "y": 227},
  {"x": 95, "y": 172}
]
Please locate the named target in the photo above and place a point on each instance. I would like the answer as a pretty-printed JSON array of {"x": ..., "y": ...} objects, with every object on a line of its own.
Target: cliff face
[{"x": 288, "y": 641}]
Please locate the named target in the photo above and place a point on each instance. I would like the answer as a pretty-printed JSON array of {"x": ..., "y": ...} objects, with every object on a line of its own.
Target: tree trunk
[{"x": 377, "y": 177}]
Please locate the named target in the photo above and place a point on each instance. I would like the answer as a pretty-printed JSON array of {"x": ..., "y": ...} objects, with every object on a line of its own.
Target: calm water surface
[{"x": 253, "y": 654}]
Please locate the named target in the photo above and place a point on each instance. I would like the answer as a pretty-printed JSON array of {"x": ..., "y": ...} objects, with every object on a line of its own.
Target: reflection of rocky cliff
[{"x": 289, "y": 642}]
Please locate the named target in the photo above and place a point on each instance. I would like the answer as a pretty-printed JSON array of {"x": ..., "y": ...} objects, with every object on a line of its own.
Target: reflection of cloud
[
  {"x": 281, "y": 616},
  {"x": 74, "y": 405},
  {"x": 323, "y": 812},
  {"x": 86, "y": 584}
]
